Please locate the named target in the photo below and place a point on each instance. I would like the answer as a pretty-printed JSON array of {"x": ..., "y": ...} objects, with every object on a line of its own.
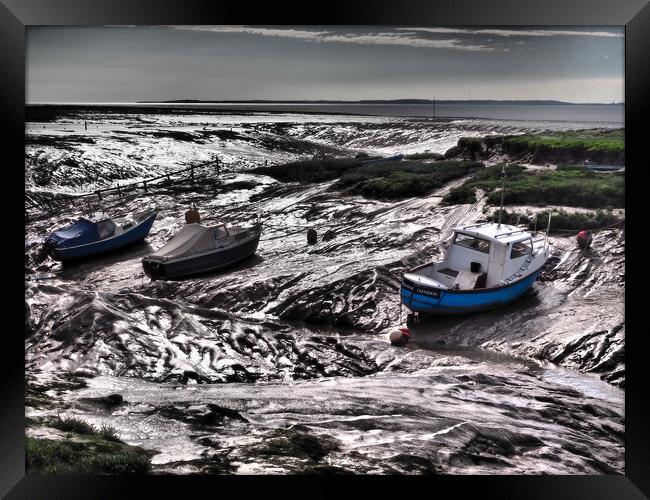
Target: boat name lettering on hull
[{"x": 422, "y": 291}]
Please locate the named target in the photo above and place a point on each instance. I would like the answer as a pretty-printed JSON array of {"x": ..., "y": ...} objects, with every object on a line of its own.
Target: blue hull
[
  {"x": 133, "y": 235},
  {"x": 431, "y": 300}
]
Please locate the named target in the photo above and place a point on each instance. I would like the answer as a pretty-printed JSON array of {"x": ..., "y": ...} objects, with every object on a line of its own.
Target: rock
[
  {"x": 329, "y": 235},
  {"x": 220, "y": 412},
  {"x": 105, "y": 402},
  {"x": 114, "y": 399}
]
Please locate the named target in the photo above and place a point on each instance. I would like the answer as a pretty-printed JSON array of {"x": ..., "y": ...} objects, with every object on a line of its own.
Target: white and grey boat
[{"x": 197, "y": 249}]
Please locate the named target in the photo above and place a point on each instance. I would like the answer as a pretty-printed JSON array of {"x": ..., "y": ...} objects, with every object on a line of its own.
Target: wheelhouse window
[
  {"x": 106, "y": 228},
  {"x": 521, "y": 248},
  {"x": 471, "y": 242}
]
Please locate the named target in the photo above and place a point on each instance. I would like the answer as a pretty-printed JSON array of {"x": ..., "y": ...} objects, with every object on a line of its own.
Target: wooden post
[
  {"x": 99, "y": 194},
  {"x": 119, "y": 191},
  {"x": 144, "y": 183}
]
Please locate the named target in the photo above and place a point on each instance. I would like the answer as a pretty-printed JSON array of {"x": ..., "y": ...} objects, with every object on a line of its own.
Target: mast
[
  {"x": 548, "y": 229},
  {"x": 503, "y": 191}
]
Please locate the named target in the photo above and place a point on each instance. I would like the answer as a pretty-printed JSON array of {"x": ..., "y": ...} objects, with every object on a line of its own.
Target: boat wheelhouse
[{"x": 484, "y": 266}]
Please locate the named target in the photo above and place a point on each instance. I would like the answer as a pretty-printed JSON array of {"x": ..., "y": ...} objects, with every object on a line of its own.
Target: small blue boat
[
  {"x": 84, "y": 238},
  {"x": 485, "y": 266},
  {"x": 604, "y": 168}
]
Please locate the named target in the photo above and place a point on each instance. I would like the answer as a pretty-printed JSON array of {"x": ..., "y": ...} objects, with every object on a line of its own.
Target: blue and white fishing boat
[
  {"x": 85, "y": 238},
  {"x": 485, "y": 266}
]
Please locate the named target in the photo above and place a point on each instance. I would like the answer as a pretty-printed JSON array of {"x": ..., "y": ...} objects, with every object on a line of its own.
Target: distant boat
[
  {"x": 85, "y": 238},
  {"x": 603, "y": 168},
  {"x": 197, "y": 249},
  {"x": 487, "y": 265}
]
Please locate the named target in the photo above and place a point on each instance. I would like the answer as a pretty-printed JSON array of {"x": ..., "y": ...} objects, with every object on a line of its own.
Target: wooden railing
[{"x": 42, "y": 201}]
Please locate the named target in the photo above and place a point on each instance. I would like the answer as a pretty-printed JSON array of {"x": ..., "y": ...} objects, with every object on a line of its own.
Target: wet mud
[{"x": 281, "y": 364}]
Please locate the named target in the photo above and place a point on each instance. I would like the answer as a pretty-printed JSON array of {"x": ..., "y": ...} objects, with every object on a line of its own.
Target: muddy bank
[
  {"x": 448, "y": 415},
  {"x": 281, "y": 363},
  {"x": 349, "y": 281}
]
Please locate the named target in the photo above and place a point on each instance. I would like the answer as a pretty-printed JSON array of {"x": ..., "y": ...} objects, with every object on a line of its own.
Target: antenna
[
  {"x": 434, "y": 105},
  {"x": 548, "y": 227},
  {"x": 503, "y": 190}
]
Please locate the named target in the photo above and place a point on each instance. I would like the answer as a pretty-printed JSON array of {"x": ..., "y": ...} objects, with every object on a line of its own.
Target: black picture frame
[{"x": 15, "y": 15}]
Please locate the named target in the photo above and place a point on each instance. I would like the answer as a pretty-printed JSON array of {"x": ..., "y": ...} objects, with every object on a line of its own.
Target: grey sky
[{"x": 126, "y": 64}]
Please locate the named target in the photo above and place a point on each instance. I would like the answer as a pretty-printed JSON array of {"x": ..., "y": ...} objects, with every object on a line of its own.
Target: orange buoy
[
  {"x": 399, "y": 336},
  {"x": 192, "y": 216}
]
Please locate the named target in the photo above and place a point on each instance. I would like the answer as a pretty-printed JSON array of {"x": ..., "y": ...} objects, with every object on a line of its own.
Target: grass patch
[
  {"x": 571, "y": 146},
  {"x": 424, "y": 156},
  {"x": 576, "y": 141},
  {"x": 569, "y": 187},
  {"x": 109, "y": 433},
  {"x": 50, "y": 457},
  {"x": 310, "y": 170},
  {"x": 402, "y": 179},
  {"x": 383, "y": 180},
  {"x": 85, "y": 450},
  {"x": 460, "y": 195},
  {"x": 73, "y": 424},
  {"x": 561, "y": 220},
  {"x": 79, "y": 426}
]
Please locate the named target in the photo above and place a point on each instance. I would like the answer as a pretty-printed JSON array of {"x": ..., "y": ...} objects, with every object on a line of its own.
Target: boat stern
[
  {"x": 51, "y": 249},
  {"x": 153, "y": 268}
]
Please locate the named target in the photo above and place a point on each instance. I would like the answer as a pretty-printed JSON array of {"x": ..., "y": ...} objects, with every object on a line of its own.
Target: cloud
[
  {"x": 325, "y": 36},
  {"x": 515, "y": 32}
]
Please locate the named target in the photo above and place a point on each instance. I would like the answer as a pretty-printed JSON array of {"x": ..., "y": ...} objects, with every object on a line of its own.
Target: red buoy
[
  {"x": 584, "y": 238},
  {"x": 399, "y": 336}
]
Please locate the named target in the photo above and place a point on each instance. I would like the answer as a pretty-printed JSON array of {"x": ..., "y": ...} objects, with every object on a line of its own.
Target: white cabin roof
[{"x": 502, "y": 234}]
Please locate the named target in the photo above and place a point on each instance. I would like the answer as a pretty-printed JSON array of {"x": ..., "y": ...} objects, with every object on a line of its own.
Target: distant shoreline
[
  {"x": 391, "y": 101},
  {"x": 41, "y": 112}
]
